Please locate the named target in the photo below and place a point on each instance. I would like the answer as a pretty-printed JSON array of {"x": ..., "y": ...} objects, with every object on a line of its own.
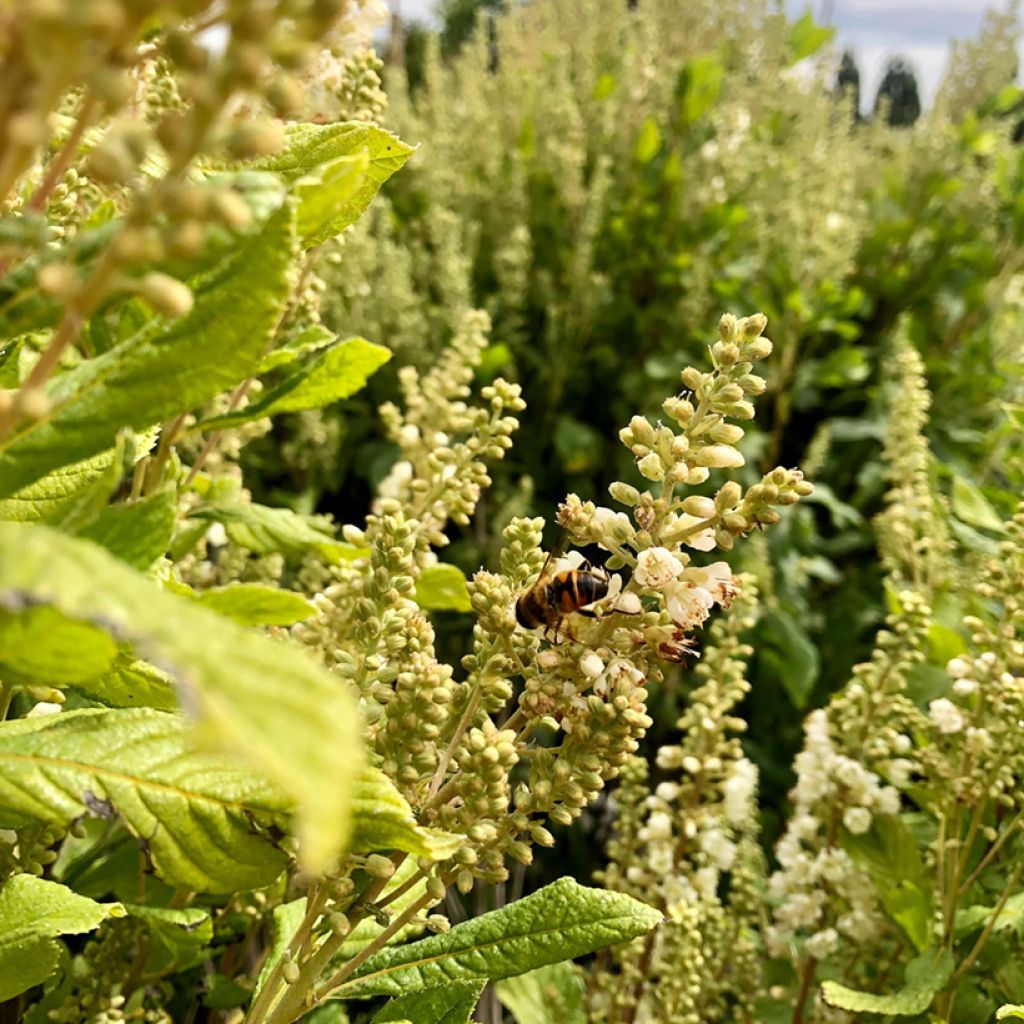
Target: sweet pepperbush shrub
[{"x": 249, "y": 770}]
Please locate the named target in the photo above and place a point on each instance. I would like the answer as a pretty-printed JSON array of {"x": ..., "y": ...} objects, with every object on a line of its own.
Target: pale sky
[{"x": 918, "y": 30}]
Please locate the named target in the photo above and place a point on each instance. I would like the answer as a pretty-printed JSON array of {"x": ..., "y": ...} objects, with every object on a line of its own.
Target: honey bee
[{"x": 557, "y": 595}]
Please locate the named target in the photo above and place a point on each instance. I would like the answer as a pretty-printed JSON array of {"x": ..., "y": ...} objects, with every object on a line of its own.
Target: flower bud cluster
[
  {"x": 443, "y": 439},
  {"x": 674, "y": 846}
]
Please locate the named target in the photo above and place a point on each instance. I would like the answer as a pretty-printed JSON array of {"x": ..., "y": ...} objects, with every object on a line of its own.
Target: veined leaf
[
  {"x": 548, "y": 993},
  {"x": 41, "y": 645},
  {"x": 256, "y": 604},
  {"x": 384, "y": 821},
  {"x": 252, "y": 697},
  {"x": 559, "y": 922},
  {"x": 447, "y": 1004},
  {"x": 162, "y": 371},
  {"x": 328, "y": 376},
  {"x": 265, "y": 530},
  {"x": 973, "y": 508},
  {"x": 309, "y": 339},
  {"x": 1011, "y": 917},
  {"x": 925, "y": 977},
  {"x": 138, "y": 533},
  {"x": 194, "y": 813},
  {"x": 33, "y": 912},
  {"x": 130, "y": 683},
  {"x": 324, "y": 198},
  {"x": 56, "y": 496},
  {"x": 442, "y": 588}
]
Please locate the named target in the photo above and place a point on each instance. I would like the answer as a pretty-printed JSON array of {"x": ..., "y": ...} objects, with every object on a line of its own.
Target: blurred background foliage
[{"x": 605, "y": 179}]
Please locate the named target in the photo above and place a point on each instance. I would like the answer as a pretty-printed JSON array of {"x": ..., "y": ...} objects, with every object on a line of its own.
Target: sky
[{"x": 918, "y": 30}]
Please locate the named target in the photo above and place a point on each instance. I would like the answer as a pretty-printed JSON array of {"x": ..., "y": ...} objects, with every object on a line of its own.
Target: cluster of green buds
[{"x": 443, "y": 439}]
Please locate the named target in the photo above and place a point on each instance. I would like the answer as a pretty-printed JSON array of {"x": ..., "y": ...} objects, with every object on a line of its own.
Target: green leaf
[
  {"x": 42, "y": 646},
  {"x": 196, "y": 814},
  {"x": 1016, "y": 1011},
  {"x": 285, "y": 922},
  {"x": 1011, "y": 917},
  {"x": 130, "y": 683},
  {"x": 383, "y": 820},
  {"x": 911, "y": 909},
  {"x": 442, "y": 587},
  {"x": 806, "y": 37},
  {"x": 265, "y": 531},
  {"x": 788, "y": 654},
  {"x": 160, "y": 372},
  {"x": 256, "y": 604},
  {"x": 648, "y": 142},
  {"x": 559, "y": 922},
  {"x": 700, "y": 83},
  {"x": 889, "y": 852},
  {"x": 138, "y": 533},
  {"x": 973, "y": 508},
  {"x": 925, "y": 977},
  {"x": 65, "y": 492},
  {"x": 259, "y": 699},
  {"x": 309, "y": 339},
  {"x": 325, "y": 198},
  {"x": 446, "y": 1004},
  {"x": 33, "y": 912},
  {"x": 179, "y": 937},
  {"x": 329, "y": 376},
  {"x": 547, "y": 994}
]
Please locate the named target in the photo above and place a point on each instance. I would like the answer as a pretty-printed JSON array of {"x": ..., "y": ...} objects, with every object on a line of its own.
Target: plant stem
[
  {"x": 62, "y": 161},
  {"x": 6, "y": 695}
]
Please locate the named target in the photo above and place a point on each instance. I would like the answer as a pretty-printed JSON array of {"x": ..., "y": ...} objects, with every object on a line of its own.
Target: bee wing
[{"x": 557, "y": 549}]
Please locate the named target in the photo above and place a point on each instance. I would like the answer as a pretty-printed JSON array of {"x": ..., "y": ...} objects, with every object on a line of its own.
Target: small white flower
[
  {"x": 659, "y": 826},
  {"x": 959, "y": 667},
  {"x": 656, "y": 567},
  {"x": 719, "y": 848},
  {"x": 591, "y": 665},
  {"x": 822, "y": 943},
  {"x": 691, "y": 764},
  {"x": 44, "y": 707},
  {"x": 667, "y": 791},
  {"x": 965, "y": 687},
  {"x": 688, "y": 605},
  {"x": 857, "y": 820},
  {"x": 888, "y": 801},
  {"x": 410, "y": 434},
  {"x": 738, "y": 791},
  {"x": 629, "y": 604},
  {"x": 947, "y": 717}
]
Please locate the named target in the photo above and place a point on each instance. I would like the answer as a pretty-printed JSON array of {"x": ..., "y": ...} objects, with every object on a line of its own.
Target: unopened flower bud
[
  {"x": 624, "y": 493},
  {"x": 165, "y": 294},
  {"x": 58, "y": 279},
  {"x": 719, "y": 456},
  {"x": 700, "y": 506},
  {"x": 379, "y": 866},
  {"x": 652, "y": 467}
]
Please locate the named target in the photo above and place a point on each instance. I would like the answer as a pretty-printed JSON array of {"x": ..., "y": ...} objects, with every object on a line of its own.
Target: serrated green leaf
[
  {"x": 40, "y": 645},
  {"x": 1011, "y": 917},
  {"x": 384, "y": 821},
  {"x": 559, "y": 922},
  {"x": 138, "y": 533},
  {"x": 325, "y": 198},
  {"x": 195, "y": 813},
  {"x": 925, "y": 977},
  {"x": 130, "y": 683},
  {"x": 265, "y": 531},
  {"x": 265, "y": 701},
  {"x": 327, "y": 377},
  {"x": 162, "y": 370},
  {"x": 549, "y": 993},
  {"x": 1010, "y": 1010},
  {"x": 33, "y": 912},
  {"x": 442, "y": 588},
  {"x": 807, "y": 37},
  {"x": 446, "y": 1004},
  {"x": 973, "y": 508},
  {"x": 309, "y": 339},
  {"x": 62, "y": 493},
  {"x": 256, "y": 604}
]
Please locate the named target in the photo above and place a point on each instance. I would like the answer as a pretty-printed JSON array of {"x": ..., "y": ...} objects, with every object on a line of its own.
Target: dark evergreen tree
[
  {"x": 848, "y": 82},
  {"x": 459, "y": 18},
  {"x": 898, "y": 97}
]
